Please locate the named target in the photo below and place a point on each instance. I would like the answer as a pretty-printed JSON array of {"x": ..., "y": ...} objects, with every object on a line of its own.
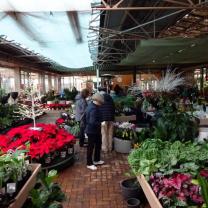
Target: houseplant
[
  {"x": 169, "y": 168},
  {"x": 45, "y": 145},
  {"x": 124, "y": 134}
]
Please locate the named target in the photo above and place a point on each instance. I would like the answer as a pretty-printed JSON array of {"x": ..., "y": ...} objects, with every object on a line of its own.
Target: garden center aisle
[{"x": 92, "y": 189}]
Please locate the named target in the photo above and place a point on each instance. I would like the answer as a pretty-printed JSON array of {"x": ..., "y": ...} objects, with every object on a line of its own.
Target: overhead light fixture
[
  {"x": 180, "y": 51},
  {"x": 193, "y": 45}
]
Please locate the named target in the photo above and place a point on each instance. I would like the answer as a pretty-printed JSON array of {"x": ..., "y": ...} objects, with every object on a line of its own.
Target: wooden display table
[
  {"x": 21, "y": 197},
  {"x": 125, "y": 118},
  {"x": 150, "y": 195}
]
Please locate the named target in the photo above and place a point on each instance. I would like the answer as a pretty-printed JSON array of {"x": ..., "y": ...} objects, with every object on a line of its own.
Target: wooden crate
[
  {"x": 125, "y": 118},
  {"x": 23, "y": 194},
  {"x": 150, "y": 195}
]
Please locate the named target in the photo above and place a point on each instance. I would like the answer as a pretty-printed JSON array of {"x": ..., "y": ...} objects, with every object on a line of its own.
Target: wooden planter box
[
  {"x": 125, "y": 118},
  {"x": 24, "y": 192},
  {"x": 150, "y": 195}
]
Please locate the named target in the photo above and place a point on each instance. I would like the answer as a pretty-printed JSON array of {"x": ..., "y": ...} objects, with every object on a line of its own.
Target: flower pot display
[
  {"x": 133, "y": 203},
  {"x": 130, "y": 188},
  {"x": 15, "y": 171},
  {"x": 124, "y": 135},
  {"x": 176, "y": 173},
  {"x": 122, "y": 146},
  {"x": 50, "y": 102},
  {"x": 42, "y": 145},
  {"x": 63, "y": 102}
]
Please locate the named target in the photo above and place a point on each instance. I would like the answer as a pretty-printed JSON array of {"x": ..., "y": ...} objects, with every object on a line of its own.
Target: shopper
[
  {"x": 93, "y": 131},
  {"x": 107, "y": 113},
  {"x": 81, "y": 105}
]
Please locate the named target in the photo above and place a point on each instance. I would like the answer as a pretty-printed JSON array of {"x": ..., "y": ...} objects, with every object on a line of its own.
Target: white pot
[
  {"x": 62, "y": 102},
  {"x": 50, "y": 102},
  {"x": 203, "y": 134},
  {"x": 121, "y": 145},
  {"x": 69, "y": 102}
]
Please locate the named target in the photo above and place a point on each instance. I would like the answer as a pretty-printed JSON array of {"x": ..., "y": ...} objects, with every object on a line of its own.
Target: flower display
[
  {"x": 56, "y": 106},
  {"x": 176, "y": 189},
  {"x": 48, "y": 140},
  {"x": 125, "y": 130}
]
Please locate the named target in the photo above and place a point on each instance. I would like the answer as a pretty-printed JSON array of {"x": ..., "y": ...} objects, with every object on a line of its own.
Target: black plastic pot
[
  {"x": 133, "y": 203},
  {"x": 131, "y": 189}
]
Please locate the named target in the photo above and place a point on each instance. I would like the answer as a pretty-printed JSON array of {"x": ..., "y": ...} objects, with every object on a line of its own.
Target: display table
[
  {"x": 24, "y": 192},
  {"x": 150, "y": 195},
  {"x": 125, "y": 118}
]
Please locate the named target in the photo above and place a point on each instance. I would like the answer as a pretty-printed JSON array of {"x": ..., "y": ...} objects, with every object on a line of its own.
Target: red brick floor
[{"x": 94, "y": 189}]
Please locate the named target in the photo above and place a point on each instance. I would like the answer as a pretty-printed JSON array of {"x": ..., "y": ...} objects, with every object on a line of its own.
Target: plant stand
[
  {"x": 23, "y": 194},
  {"x": 150, "y": 195},
  {"x": 122, "y": 146}
]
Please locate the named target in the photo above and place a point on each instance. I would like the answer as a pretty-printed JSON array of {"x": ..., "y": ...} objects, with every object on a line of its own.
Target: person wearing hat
[{"x": 93, "y": 131}]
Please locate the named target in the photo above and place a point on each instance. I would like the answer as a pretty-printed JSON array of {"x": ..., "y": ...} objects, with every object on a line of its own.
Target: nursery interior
[{"x": 142, "y": 66}]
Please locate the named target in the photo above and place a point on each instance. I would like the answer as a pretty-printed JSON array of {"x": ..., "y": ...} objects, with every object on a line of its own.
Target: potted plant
[
  {"x": 50, "y": 97},
  {"x": 133, "y": 203},
  {"x": 124, "y": 134}
]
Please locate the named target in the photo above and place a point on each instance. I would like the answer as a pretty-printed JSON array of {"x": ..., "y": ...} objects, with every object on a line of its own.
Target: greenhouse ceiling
[{"x": 58, "y": 35}]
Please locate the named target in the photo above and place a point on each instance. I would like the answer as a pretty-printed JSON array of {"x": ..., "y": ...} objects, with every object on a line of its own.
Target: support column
[
  {"x": 17, "y": 79},
  {"x": 202, "y": 81},
  {"x": 97, "y": 76},
  {"x": 134, "y": 75},
  {"x": 59, "y": 84},
  {"x": 49, "y": 82}
]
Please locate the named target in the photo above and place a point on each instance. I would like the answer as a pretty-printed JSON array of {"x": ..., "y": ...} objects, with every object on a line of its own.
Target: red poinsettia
[{"x": 49, "y": 139}]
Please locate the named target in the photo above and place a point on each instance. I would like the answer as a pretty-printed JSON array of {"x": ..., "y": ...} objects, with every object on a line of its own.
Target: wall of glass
[{"x": 7, "y": 79}]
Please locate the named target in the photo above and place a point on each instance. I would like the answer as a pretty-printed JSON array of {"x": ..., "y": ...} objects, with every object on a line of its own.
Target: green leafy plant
[
  {"x": 204, "y": 189},
  {"x": 165, "y": 157},
  {"x": 46, "y": 193}
]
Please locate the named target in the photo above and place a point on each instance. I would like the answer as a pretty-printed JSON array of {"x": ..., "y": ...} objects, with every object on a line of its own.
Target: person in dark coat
[
  {"x": 81, "y": 105},
  {"x": 108, "y": 114},
  {"x": 93, "y": 131}
]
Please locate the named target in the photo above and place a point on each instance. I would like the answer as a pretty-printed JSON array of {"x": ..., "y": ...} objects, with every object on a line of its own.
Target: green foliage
[
  {"x": 204, "y": 188},
  {"x": 70, "y": 95},
  {"x": 50, "y": 95},
  {"x": 7, "y": 115},
  {"x": 162, "y": 156},
  {"x": 48, "y": 194},
  {"x": 174, "y": 125},
  {"x": 124, "y": 102},
  {"x": 74, "y": 129}
]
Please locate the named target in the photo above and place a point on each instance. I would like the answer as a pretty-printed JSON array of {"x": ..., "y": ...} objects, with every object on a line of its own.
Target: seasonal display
[
  {"x": 14, "y": 172},
  {"x": 46, "y": 145},
  {"x": 68, "y": 122},
  {"x": 32, "y": 109},
  {"x": 170, "y": 169}
]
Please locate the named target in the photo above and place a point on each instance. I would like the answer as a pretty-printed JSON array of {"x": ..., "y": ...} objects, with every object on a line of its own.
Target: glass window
[{"x": 7, "y": 79}]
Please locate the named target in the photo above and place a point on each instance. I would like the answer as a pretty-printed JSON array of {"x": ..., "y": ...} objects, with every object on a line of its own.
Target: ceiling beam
[
  {"x": 189, "y": 7},
  {"x": 191, "y": 2},
  {"x": 177, "y": 2}
]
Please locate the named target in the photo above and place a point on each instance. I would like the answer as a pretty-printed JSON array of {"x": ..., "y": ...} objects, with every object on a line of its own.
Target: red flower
[
  {"x": 204, "y": 173},
  {"x": 49, "y": 139}
]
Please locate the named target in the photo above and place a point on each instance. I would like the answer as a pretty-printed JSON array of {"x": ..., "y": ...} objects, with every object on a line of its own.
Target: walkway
[{"x": 92, "y": 189}]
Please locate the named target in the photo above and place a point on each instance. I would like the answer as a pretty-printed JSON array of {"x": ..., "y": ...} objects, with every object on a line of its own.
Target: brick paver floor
[
  {"x": 95, "y": 189},
  {"x": 92, "y": 189}
]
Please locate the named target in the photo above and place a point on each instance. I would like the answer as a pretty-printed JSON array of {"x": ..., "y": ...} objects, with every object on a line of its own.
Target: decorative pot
[
  {"x": 121, "y": 145},
  {"x": 133, "y": 203},
  {"x": 69, "y": 102},
  {"x": 50, "y": 102},
  {"x": 48, "y": 159},
  {"x": 131, "y": 189},
  {"x": 63, "y": 102},
  {"x": 63, "y": 154}
]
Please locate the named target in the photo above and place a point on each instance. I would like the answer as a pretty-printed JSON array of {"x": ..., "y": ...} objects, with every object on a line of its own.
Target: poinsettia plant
[{"x": 45, "y": 141}]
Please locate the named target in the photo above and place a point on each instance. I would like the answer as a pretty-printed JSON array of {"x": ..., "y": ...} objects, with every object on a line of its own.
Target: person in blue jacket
[{"x": 93, "y": 131}]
